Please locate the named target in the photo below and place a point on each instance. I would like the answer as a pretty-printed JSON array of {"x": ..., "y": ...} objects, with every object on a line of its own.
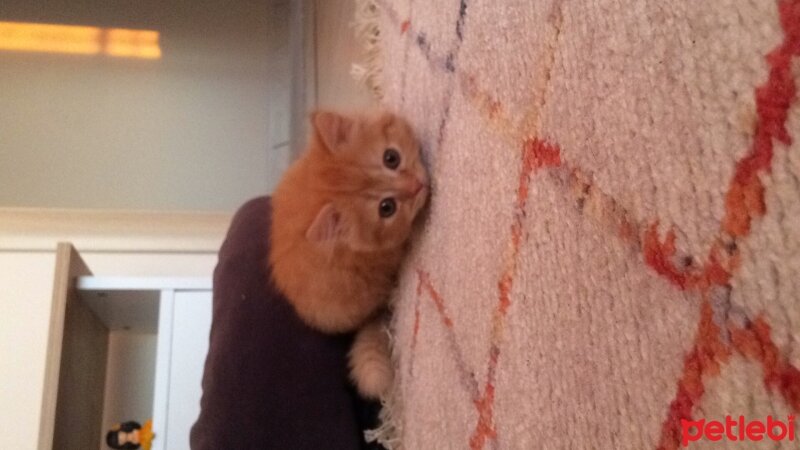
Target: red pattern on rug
[
  {"x": 744, "y": 202},
  {"x": 704, "y": 360},
  {"x": 535, "y": 155}
]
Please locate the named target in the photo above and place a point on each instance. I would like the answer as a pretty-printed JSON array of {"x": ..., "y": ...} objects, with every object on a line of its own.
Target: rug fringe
[
  {"x": 389, "y": 432},
  {"x": 367, "y": 31}
]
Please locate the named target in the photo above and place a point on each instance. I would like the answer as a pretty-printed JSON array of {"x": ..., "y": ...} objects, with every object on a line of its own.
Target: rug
[{"x": 613, "y": 240}]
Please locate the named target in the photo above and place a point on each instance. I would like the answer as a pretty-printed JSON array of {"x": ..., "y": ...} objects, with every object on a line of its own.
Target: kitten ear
[
  {"x": 326, "y": 227},
  {"x": 332, "y": 128}
]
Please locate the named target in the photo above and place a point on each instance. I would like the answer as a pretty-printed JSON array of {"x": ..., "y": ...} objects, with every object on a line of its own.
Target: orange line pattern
[
  {"x": 703, "y": 360},
  {"x": 466, "y": 376},
  {"x": 535, "y": 155},
  {"x": 744, "y": 202},
  {"x": 754, "y": 341}
]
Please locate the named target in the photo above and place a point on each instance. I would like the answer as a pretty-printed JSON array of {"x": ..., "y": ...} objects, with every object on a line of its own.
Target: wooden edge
[
  {"x": 29, "y": 229},
  {"x": 68, "y": 265}
]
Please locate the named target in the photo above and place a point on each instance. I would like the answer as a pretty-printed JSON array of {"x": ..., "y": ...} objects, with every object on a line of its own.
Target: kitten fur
[{"x": 332, "y": 254}]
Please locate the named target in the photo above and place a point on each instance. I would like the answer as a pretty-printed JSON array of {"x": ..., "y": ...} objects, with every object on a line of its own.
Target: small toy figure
[{"x": 131, "y": 436}]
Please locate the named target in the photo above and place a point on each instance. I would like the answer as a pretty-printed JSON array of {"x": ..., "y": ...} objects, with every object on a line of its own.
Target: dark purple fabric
[{"x": 270, "y": 381}]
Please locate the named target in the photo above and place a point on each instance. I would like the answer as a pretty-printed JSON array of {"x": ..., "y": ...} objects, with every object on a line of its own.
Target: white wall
[
  {"x": 199, "y": 129},
  {"x": 26, "y": 283}
]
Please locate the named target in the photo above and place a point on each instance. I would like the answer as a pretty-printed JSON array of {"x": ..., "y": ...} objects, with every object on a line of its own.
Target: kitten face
[{"x": 374, "y": 177}]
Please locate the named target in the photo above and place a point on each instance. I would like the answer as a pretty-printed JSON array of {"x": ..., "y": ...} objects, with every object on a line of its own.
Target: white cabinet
[
  {"x": 182, "y": 348},
  {"x": 131, "y": 349}
]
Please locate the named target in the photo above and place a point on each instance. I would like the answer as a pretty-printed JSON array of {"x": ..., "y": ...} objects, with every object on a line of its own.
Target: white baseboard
[{"x": 35, "y": 230}]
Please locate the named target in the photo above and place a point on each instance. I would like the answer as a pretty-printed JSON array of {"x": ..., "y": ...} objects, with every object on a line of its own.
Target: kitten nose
[
  {"x": 417, "y": 186},
  {"x": 412, "y": 185}
]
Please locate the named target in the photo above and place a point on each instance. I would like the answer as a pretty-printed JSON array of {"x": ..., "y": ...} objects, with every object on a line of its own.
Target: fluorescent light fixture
[{"x": 79, "y": 40}]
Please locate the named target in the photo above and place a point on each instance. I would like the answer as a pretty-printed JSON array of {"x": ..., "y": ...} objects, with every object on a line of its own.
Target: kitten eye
[
  {"x": 387, "y": 207},
  {"x": 391, "y": 158}
]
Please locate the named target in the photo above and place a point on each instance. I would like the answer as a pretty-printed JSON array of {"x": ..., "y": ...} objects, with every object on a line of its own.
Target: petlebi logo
[{"x": 738, "y": 430}]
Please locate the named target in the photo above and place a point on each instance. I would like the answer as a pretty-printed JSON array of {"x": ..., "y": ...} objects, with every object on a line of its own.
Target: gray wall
[{"x": 203, "y": 128}]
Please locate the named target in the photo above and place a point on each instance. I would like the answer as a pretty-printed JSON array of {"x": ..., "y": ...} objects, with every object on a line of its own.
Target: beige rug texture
[{"x": 613, "y": 240}]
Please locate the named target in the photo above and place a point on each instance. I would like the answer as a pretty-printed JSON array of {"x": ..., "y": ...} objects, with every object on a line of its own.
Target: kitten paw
[
  {"x": 374, "y": 382},
  {"x": 371, "y": 363}
]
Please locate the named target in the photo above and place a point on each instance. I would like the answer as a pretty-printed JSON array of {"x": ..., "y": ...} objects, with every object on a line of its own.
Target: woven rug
[{"x": 613, "y": 242}]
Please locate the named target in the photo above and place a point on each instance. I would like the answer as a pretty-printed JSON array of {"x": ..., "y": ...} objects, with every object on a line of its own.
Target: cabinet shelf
[{"x": 131, "y": 303}]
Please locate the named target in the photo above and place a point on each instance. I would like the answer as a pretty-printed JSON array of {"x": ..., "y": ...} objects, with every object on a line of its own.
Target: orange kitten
[{"x": 342, "y": 215}]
